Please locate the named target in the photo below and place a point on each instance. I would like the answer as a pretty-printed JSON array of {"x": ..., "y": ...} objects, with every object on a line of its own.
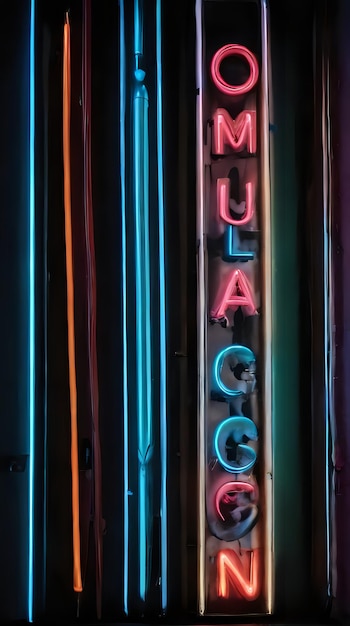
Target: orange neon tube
[
  {"x": 77, "y": 583},
  {"x": 246, "y": 579}
]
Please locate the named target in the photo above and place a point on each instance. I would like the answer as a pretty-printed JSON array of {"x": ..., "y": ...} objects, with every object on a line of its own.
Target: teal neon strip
[
  {"x": 124, "y": 309},
  {"x": 143, "y": 309},
  {"x": 31, "y": 312},
  {"x": 143, "y": 327},
  {"x": 138, "y": 28},
  {"x": 162, "y": 321}
]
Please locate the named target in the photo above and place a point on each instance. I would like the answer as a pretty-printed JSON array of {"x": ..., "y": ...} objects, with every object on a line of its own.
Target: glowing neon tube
[
  {"x": 235, "y": 292},
  {"x": 234, "y": 50},
  {"x": 31, "y": 312},
  {"x": 240, "y": 429},
  {"x": 245, "y": 577},
  {"x": 143, "y": 315},
  {"x": 232, "y": 252},
  {"x": 77, "y": 581},
  {"x": 223, "y": 202},
  {"x": 238, "y": 134},
  {"x": 92, "y": 305},
  {"x": 236, "y": 487},
  {"x": 122, "y": 104},
  {"x": 162, "y": 321},
  {"x": 237, "y": 355}
]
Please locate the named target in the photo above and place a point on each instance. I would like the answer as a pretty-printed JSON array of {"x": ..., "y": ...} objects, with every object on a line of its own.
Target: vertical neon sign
[{"x": 234, "y": 309}]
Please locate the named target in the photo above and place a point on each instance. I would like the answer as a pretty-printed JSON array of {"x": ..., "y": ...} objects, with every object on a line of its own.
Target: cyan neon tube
[
  {"x": 143, "y": 326},
  {"x": 162, "y": 321},
  {"x": 143, "y": 313},
  {"x": 124, "y": 307},
  {"x": 231, "y": 246},
  {"x": 31, "y": 313}
]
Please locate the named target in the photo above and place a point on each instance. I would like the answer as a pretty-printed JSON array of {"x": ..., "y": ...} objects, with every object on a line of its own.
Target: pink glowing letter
[
  {"x": 223, "y": 200},
  {"x": 237, "y": 134},
  {"x": 234, "y": 50},
  {"x": 233, "y": 488},
  {"x": 237, "y": 292},
  {"x": 243, "y": 573}
]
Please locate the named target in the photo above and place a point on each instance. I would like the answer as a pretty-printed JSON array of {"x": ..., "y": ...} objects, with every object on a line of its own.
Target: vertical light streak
[
  {"x": 124, "y": 303},
  {"x": 138, "y": 28},
  {"x": 77, "y": 582},
  {"x": 327, "y": 299},
  {"x": 143, "y": 309},
  {"x": 143, "y": 325},
  {"x": 31, "y": 311},
  {"x": 162, "y": 318},
  {"x": 267, "y": 290},
  {"x": 201, "y": 310}
]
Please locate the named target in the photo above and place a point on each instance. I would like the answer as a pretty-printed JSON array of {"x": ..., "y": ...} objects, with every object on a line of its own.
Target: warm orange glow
[
  {"x": 243, "y": 572},
  {"x": 77, "y": 583}
]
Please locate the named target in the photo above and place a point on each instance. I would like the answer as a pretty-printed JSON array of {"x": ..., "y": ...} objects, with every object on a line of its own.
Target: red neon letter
[
  {"x": 234, "y": 488},
  {"x": 237, "y": 134},
  {"x": 237, "y": 292},
  {"x": 234, "y": 50},
  {"x": 243, "y": 574},
  {"x": 223, "y": 200}
]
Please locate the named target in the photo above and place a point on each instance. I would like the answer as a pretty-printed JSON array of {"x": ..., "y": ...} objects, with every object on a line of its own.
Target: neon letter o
[{"x": 233, "y": 49}]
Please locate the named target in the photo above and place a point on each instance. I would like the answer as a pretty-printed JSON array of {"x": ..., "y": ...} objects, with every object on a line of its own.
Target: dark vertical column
[
  {"x": 179, "y": 110},
  {"x": 316, "y": 240},
  {"x": 292, "y": 93},
  {"x": 14, "y": 289},
  {"x": 105, "y": 84}
]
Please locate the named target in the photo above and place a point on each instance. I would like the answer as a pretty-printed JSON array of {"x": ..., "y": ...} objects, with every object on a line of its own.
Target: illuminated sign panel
[{"x": 234, "y": 308}]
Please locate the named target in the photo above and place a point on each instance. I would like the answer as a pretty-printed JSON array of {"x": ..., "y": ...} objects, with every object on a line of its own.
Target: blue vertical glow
[
  {"x": 162, "y": 320},
  {"x": 31, "y": 311},
  {"x": 138, "y": 28},
  {"x": 143, "y": 324},
  {"x": 124, "y": 308},
  {"x": 327, "y": 302},
  {"x": 143, "y": 309}
]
